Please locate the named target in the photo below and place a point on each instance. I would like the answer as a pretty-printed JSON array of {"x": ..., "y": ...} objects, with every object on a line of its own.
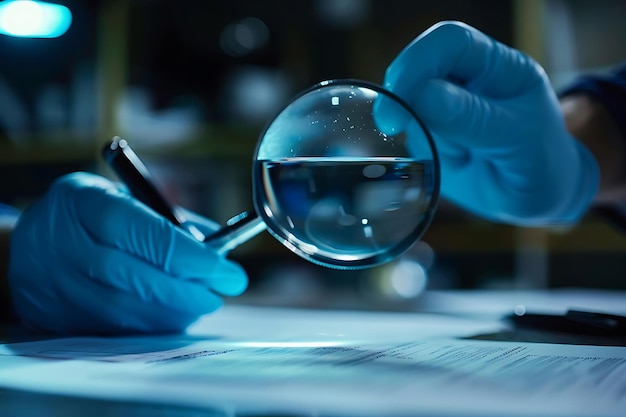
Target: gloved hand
[
  {"x": 89, "y": 258},
  {"x": 504, "y": 149}
]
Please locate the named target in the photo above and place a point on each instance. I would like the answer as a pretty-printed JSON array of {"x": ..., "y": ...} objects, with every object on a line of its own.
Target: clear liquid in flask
[{"x": 345, "y": 209}]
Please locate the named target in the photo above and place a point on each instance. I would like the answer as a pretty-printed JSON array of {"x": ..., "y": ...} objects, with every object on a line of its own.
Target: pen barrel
[
  {"x": 131, "y": 170},
  {"x": 127, "y": 165},
  {"x": 243, "y": 228}
]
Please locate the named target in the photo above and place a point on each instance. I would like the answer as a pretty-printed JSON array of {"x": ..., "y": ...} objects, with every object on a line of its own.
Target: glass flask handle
[{"x": 238, "y": 230}]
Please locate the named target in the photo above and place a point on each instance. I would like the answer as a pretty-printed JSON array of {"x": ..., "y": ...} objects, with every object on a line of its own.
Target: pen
[
  {"x": 573, "y": 321},
  {"x": 128, "y": 167}
]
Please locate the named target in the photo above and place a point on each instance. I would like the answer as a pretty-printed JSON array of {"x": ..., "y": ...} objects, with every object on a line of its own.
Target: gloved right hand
[
  {"x": 505, "y": 152},
  {"x": 88, "y": 258}
]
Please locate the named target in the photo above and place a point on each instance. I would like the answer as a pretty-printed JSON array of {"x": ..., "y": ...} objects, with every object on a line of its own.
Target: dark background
[{"x": 192, "y": 83}]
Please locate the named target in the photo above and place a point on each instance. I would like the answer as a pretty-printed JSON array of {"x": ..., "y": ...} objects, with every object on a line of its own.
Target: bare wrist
[{"x": 590, "y": 122}]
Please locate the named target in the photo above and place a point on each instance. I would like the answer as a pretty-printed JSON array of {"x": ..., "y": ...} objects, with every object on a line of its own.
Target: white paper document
[{"x": 330, "y": 363}]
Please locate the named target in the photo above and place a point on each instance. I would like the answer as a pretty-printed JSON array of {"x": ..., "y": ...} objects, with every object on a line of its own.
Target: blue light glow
[
  {"x": 33, "y": 19},
  {"x": 302, "y": 344}
]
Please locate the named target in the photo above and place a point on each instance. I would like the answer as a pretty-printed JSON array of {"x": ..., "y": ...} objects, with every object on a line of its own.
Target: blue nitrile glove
[
  {"x": 89, "y": 258},
  {"x": 505, "y": 152}
]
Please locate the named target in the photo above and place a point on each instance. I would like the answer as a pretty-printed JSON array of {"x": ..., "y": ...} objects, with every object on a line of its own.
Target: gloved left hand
[{"x": 89, "y": 258}]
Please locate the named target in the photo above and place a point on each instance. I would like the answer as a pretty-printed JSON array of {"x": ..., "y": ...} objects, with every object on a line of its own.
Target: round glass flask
[{"x": 346, "y": 175}]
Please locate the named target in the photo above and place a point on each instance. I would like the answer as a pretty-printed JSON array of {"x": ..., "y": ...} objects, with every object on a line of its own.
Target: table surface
[{"x": 34, "y": 404}]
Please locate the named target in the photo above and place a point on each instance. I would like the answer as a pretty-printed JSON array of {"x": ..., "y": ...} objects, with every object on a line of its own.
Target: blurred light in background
[
  {"x": 286, "y": 345},
  {"x": 343, "y": 13},
  {"x": 253, "y": 94},
  {"x": 34, "y": 19},
  {"x": 136, "y": 118},
  {"x": 408, "y": 279},
  {"x": 242, "y": 37},
  {"x": 405, "y": 278},
  {"x": 402, "y": 279}
]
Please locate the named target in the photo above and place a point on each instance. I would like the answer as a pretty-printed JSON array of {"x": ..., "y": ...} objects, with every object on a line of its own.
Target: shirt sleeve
[{"x": 610, "y": 90}]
